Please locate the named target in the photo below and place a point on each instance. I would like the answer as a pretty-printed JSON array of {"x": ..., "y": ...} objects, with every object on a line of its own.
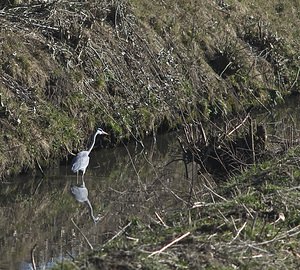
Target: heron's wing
[
  {"x": 80, "y": 162},
  {"x": 80, "y": 193}
]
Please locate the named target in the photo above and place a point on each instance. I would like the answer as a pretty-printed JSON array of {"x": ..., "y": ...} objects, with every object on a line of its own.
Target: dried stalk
[
  {"x": 238, "y": 233},
  {"x": 32, "y": 257},
  {"x": 85, "y": 238},
  {"x": 239, "y": 125},
  {"x": 169, "y": 245},
  {"x": 161, "y": 221},
  {"x": 118, "y": 234}
]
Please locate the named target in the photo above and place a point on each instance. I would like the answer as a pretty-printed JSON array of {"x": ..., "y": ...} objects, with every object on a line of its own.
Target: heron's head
[{"x": 100, "y": 131}]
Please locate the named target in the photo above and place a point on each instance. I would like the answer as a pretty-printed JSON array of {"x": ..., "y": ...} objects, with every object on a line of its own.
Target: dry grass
[
  {"x": 121, "y": 66},
  {"x": 250, "y": 221}
]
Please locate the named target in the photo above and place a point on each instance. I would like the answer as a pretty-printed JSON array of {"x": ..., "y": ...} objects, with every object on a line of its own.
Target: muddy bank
[{"x": 134, "y": 68}]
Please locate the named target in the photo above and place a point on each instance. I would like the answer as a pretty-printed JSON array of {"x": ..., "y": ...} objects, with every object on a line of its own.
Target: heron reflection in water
[{"x": 80, "y": 193}]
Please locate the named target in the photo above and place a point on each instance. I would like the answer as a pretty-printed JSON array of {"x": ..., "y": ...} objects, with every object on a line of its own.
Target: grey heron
[
  {"x": 81, "y": 193},
  {"x": 81, "y": 161}
]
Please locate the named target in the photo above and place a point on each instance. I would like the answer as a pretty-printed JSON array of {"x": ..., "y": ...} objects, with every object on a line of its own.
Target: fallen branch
[
  {"x": 238, "y": 232},
  {"x": 169, "y": 245},
  {"x": 239, "y": 125},
  {"x": 118, "y": 234},
  {"x": 213, "y": 192},
  {"x": 282, "y": 236}
]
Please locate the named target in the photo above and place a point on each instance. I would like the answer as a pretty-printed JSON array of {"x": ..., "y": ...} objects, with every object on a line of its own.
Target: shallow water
[{"x": 123, "y": 183}]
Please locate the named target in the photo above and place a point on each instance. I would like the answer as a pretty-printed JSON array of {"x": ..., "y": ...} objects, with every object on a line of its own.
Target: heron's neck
[{"x": 93, "y": 143}]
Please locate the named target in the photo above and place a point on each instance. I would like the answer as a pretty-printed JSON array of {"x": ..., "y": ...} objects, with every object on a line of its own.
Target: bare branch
[{"x": 169, "y": 245}]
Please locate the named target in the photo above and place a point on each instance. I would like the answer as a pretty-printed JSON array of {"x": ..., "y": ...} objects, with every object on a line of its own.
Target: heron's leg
[{"x": 77, "y": 177}]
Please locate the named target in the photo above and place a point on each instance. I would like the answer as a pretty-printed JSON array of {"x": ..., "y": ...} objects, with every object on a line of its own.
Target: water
[{"x": 123, "y": 183}]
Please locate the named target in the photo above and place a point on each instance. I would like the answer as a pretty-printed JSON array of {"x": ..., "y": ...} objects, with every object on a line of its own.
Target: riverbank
[
  {"x": 250, "y": 221},
  {"x": 134, "y": 68}
]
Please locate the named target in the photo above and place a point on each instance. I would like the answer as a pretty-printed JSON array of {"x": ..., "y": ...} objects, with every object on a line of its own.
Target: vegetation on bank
[
  {"x": 140, "y": 67},
  {"x": 135, "y": 68},
  {"x": 250, "y": 221}
]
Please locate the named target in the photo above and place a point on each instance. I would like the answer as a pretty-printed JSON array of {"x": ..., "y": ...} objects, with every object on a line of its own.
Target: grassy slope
[
  {"x": 135, "y": 67},
  {"x": 153, "y": 65}
]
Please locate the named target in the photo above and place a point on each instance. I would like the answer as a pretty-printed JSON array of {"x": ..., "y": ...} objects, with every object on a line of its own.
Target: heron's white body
[
  {"x": 80, "y": 162},
  {"x": 82, "y": 159}
]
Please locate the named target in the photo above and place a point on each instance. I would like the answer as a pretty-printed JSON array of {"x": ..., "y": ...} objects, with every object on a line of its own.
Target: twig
[
  {"x": 69, "y": 151},
  {"x": 181, "y": 144},
  {"x": 233, "y": 222},
  {"x": 203, "y": 204},
  {"x": 212, "y": 235},
  {"x": 282, "y": 236},
  {"x": 39, "y": 166},
  {"x": 257, "y": 256},
  {"x": 32, "y": 257},
  {"x": 222, "y": 10},
  {"x": 226, "y": 219},
  {"x": 213, "y": 192},
  {"x": 71, "y": 256},
  {"x": 175, "y": 195},
  {"x": 85, "y": 238},
  {"x": 134, "y": 167},
  {"x": 118, "y": 234},
  {"x": 170, "y": 244},
  {"x": 203, "y": 134},
  {"x": 238, "y": 232},
  {"x": 187, "y": 134},
  {"x": 252, "y": 141},
  {"x": 238, "y": 126},
  {"x": 225, "y": 69},
  {"x": 37, "y": 187},
  {"x": 296, "y": 79},
  {"x": 280, "y": 217},
  {"x": 161, "y": 221},
  {"x": 248, "y": 211},
  {"x": 191, "y": 183}
]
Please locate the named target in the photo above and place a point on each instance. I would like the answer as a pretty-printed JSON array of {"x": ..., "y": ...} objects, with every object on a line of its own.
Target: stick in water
[{"x": 85, "y": 238}]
